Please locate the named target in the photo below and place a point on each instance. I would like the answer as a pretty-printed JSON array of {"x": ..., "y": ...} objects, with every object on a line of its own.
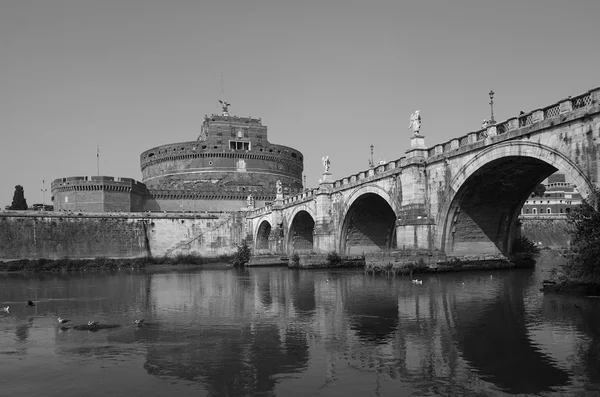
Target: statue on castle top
[
  {"x": 203, "y": 131},
  {"x": 326, "y": 163},
  {"x": 278, "y": 187},
  {"x": 250, "y": 201},
  {"x": 225, "y": 107},
  {"x": 415, "y": 122},
  {"x": 485, "y": 124}
]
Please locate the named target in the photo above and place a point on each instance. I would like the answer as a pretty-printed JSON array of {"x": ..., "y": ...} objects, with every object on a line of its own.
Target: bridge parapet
[
  {"x": 300, "y": 198},
  {"x": 381, "y": 170},
  {"x": 259, "y": 211},
  {"x": 591, "y": 97}
]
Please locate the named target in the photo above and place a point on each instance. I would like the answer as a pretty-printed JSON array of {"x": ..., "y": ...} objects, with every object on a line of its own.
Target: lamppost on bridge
[
  {"x": 371, "y": 161},
  {"x": 492, "y": 121},
  {"x": 44, "y": 190}
]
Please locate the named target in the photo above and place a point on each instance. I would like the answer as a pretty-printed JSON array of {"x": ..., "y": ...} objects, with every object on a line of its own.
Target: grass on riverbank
[{"x": 98, "y": 264}]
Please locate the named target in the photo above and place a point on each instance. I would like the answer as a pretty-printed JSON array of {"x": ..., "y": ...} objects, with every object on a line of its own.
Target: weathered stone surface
[
  {"x": 462, "y": 198},
  {"x": 30, "y": 235}
]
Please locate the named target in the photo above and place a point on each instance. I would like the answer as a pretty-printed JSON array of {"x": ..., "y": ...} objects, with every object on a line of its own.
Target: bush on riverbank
[
  {"x": 243, "y": 254},
  {"x": 584, "y": 265},
  {"x": 525, "y": 245},
  {"x": 334, "y": 259},
  {"x": 295, "y": 260},
  {"x": 100, "y": 263},
  {"x": 71, "y": 265},
  {"x": 581, "y": 272}
]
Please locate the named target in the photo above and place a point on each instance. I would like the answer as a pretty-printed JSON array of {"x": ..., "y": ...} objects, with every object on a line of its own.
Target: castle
[{"x": 229, "y": 167}]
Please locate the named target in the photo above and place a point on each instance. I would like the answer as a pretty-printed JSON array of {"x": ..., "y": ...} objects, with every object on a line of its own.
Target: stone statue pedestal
[
  {"x": 417, "y": 142},
  {"x": 326, "y": 178},
  {"x": 417, "y": 147}
]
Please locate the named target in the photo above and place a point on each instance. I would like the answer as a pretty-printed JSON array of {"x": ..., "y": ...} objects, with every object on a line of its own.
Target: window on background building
[
  {"x": 561, "y": 210},
  {"x": 534, "y": 211},
  {"x": 548, "y": 211},
  {"x": 527, "y": 211}
]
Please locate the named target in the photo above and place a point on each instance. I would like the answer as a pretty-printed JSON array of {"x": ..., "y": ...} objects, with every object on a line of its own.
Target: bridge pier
[
  {"x": 324, "y": 236},
  {"x": 416, "y": 235}
]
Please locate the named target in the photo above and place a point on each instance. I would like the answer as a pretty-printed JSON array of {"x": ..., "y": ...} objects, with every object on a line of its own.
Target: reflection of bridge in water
[{"x": 237, "y": 332}]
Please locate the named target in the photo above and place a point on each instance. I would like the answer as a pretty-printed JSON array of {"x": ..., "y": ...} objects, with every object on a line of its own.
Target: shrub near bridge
[
  {"x": 584, "y": 265},
  {"x": 243, "y": 254}
]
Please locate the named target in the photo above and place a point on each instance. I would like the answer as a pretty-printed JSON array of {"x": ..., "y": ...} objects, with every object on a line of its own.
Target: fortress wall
[
  {"x": 217, "y": 168},
  {"x": 34, "y": 235},
  {"x": 79, "y": 200}
]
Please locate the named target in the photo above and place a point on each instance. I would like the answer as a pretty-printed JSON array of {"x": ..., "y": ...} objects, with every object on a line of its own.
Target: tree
[
  {"x": 19, "y": 202},
  {"x": 539, "y": 190},
  {"x": 243, "y": 254},
  {"x": 585, "y": 219}
]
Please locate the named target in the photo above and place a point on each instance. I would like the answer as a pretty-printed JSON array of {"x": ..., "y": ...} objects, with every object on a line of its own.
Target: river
[{"x": 281, "y": 332}]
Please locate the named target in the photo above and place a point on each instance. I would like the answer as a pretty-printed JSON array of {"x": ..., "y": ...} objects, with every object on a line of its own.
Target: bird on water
[
  {"x": 63, "y": 320},
  {"x": 139, "y": 322},
  {"x": 92, "y": 323},
  {"x": 30, "y": 303}
]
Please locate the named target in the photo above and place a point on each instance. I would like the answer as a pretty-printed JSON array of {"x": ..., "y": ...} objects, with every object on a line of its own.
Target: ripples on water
[{"x": 274, "y": 331}]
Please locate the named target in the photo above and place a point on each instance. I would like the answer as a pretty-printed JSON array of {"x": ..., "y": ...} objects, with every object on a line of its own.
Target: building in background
[
  {"x": 559, "y": 198},
  {"x": 231, "y": 166}
]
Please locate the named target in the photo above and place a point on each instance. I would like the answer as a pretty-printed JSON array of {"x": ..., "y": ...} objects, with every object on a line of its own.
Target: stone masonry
[{"x": 459, "y": 198}]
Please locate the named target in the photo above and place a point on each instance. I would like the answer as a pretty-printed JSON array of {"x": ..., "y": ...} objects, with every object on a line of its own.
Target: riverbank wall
[
  {"x": 547, "y": 231},
  {"x": 56, "y": 235}
]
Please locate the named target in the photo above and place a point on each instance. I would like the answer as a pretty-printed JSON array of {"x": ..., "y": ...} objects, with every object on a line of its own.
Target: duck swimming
[
  {"x": 92, "y": 323},
  {"x": 63, "y": 320},
  {"x": 138, "y": 322}
]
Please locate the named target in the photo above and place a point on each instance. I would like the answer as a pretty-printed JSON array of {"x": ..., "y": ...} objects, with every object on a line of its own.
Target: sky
[{"x": 329, "y": 78}]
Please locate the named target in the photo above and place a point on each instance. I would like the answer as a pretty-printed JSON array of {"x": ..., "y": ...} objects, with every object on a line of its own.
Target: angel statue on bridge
[
  {"x": 415, "y": 122},
  {"x": 326, "y": 163}
]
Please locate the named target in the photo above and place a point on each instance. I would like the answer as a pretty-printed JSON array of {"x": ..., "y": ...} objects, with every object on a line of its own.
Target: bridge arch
[
  {"x": 368, "y": 221},
  {"x": 301, "y": 230},
  {"x": 480, "y": 209},
  {"x": 263, "y": 232}
]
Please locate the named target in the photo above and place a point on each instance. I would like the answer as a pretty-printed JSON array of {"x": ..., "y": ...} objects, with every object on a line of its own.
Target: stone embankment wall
[
  {"x": 551, "y": 233},
  {"x": 52, "y": 235}
]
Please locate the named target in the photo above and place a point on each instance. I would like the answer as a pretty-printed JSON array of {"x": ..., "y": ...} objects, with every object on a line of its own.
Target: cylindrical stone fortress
[{"x": 231, "y": 160}]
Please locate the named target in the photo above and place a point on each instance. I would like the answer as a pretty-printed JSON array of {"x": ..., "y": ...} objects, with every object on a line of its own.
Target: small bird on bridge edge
[{"x": 30, "y": 303}]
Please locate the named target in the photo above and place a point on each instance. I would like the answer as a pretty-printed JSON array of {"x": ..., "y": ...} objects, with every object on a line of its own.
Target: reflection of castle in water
[{"x": 421, "y": 336}]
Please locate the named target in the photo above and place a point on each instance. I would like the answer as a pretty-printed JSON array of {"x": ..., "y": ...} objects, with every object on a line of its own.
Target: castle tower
[{"x": 231, "y": 159}]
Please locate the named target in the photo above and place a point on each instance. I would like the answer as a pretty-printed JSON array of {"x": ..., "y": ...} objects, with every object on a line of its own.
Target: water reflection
[{"x": 290, "y": 332}]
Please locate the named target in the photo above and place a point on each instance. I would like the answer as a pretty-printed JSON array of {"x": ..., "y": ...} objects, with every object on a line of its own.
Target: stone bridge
[{"x": 459, "y": 198}]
